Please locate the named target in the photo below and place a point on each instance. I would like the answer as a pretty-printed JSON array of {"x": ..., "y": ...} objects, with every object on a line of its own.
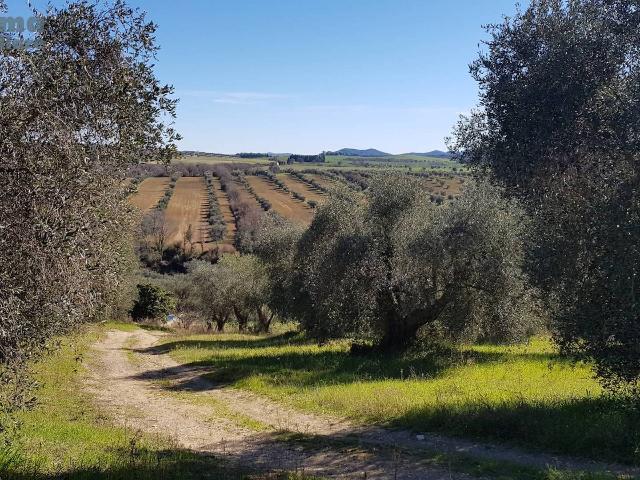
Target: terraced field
[
  {"x": 298, "y": 186},
  {"x": 189, "y": 206},
  {"x": 149, "y": 192},
  {"x": 281, "y": 202}
]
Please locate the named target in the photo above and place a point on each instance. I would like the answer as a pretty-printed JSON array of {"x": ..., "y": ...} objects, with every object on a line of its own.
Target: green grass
[
  {"x": 525, "y": 395},
  {"x": 123, "y": 326},
  {"x": 482, "y": 468},
  {"x": 66, "y": 437},
  {"x": 392, "y": 162},
  {"x": 413, "y": 161}
]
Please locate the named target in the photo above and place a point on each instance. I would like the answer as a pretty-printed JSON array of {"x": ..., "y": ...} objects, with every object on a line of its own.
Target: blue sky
[{"x": 310, "y": 75}]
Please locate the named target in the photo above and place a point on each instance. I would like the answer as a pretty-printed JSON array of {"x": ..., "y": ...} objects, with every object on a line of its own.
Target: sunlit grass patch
[
  {"x": 523, "y": 394},
  {"x": 66, "y": 436}
]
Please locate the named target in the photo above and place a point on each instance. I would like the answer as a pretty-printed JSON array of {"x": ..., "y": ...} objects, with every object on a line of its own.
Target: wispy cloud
[
  {"x": 234, "y": 98},
  {"x": 382, "y": 109}
]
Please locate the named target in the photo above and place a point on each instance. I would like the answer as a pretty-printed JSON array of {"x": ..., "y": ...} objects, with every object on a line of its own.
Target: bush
[
  {"x": 153, "y": 303},
  {"x": 236, "y": 285},
  {"x": 218, "y": 226}
]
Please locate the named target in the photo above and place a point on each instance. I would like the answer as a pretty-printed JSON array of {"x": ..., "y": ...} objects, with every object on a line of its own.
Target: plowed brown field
[
  {"x": 149, "y": 192},
  {"x": 189, "y": 206},
  {"x": 444, "y": 186},
  {"x": 281, "y": 202},
  {"x": 322, "y": 180},
  {"x": 298, "y": 186}
]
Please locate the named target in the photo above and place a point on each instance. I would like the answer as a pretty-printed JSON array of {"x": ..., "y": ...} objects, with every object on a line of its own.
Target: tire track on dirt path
[
  {"x": 155, "y": 372},
  {"x": 123, "y": 386}
]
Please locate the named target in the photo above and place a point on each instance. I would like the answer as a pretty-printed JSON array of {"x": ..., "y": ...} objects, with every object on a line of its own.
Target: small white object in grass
[{"x": 420, "y": 437}]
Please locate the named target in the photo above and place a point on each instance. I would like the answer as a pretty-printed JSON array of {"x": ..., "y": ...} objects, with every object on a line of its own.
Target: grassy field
[
  {"x": 525, "y": 395},
  {"x": 188, "y": 206},
  {"x": 281, "y": 202},
  {"x": 66, "y": 437},
  {"x": 149, "y": 192},
  {"x": 414, "y": 161}
]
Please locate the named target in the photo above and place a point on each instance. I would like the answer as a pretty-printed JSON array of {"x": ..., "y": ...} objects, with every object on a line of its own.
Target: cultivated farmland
[
  {"x": 227, "y": 214},
  {"x": 281, "y": 202},
  {"x": 322, "y": 180},
  {"x": 149, "y": 192},
  {"x": 296, "y": 185},
  {"x": 188, "y": 206}
]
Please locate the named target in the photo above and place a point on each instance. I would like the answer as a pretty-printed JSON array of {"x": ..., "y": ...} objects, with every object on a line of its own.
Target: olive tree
[
  {"x": 559, "y": 126},
  {"x": 235, "y": 285},
  {"x": 212, "y": 289},
  {"x": 384, "y": 268},
  {"x": 76, "y": 110}
]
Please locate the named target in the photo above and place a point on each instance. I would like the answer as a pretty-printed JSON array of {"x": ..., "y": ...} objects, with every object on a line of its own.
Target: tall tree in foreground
[
  {"x": 75, "y": 112},
  {"x": 384, "y": 268},
  {"x": 559, "y": 126}
]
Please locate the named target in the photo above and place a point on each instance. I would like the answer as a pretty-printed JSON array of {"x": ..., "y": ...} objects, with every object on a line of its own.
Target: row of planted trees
[{"x": 233, "y": 289}]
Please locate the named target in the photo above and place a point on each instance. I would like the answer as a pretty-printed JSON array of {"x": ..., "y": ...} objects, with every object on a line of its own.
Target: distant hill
[
  {"x": 432, "y": 153},
  {"x": 354, "y": 152}
]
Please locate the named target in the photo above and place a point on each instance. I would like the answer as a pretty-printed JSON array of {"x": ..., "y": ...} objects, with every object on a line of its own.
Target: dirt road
[{"x": 146, "y": 390}]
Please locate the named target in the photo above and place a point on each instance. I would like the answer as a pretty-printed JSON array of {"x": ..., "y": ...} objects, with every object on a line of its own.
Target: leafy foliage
[
  {"x": 236, "y": 285},
  {"x": 76, "y": 111},
  {"x": 153, "y": 302},
  {"x": 559, "y": 124},
  {"x": 217, "y": 225},
  {"x": 383, "y": 269}
]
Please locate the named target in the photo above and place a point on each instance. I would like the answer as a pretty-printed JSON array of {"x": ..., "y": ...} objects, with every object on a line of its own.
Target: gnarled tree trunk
[
  {"x": 264, "y": 321},
  {"x": 243, "y": 319}
]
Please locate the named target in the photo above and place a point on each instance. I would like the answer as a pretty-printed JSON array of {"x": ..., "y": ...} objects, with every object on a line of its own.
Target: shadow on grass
[
  {"x": 305, "y": 368},
  {"x": 284, "y": 339},
  {"x": 142, "y": 465},
  {"x": 598, "y": 428},
  {"x": 297, "y": 368},
  {"x": 603, "y": 428}
]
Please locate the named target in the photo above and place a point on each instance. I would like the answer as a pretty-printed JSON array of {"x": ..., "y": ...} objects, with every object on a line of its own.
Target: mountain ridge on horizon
[{"x": 347, "y": 152}]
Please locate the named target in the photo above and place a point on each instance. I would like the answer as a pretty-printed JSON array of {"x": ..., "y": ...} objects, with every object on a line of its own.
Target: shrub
[
  {"x": 235, "y": 285},
  {"x": 217, "y": 224},
  {"x": 153, "y": 303}
]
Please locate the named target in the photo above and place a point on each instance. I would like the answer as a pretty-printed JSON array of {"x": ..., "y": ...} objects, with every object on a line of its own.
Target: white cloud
[
  {"x": 383, "y": 109},
  {"x": 234, "y": 98}
]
